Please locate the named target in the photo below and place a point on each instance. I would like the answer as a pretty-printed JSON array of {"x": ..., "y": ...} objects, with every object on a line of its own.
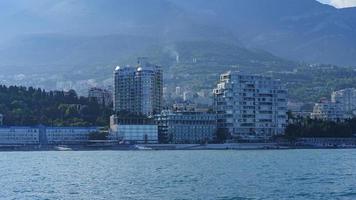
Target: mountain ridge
[{"x": 89, "y": 38}]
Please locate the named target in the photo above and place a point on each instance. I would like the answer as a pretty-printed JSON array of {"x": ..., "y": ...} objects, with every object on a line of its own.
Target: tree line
[
  {"x": 22, "y": 106},
  {"x": 307, "y": 127}
]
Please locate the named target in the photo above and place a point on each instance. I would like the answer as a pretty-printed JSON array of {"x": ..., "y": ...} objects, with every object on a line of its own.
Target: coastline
[{"x": 164, "y": 147}]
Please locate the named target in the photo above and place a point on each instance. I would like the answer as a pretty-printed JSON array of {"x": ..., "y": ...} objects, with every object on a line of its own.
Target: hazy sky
[{"x": 340, "y": 3}]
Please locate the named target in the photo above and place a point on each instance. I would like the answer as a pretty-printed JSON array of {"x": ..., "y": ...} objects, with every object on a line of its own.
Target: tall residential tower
[
  {"x": 249, "y": 106},
  {"x": 138, "y": 89}
]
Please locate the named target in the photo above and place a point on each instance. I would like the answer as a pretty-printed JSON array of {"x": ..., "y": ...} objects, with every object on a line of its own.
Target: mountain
[
  {"x": 71, "y": 37},
  {"x": 152, "y": 18},
  {"x": 42, "y": 35},
  {"x": 198, "y": 64},
  {"x": 303, "y": 30},
  {"x": 51, "y": 52}
]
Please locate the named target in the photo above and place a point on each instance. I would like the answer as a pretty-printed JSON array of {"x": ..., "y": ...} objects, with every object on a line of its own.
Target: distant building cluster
[
  {"x": 346, "y": 98},
  {"x": 186, "y": 95},
  {"x": 248, "y": 107},
  {"x": 342, "y": 106},
  {"x": 327, "y": 111},
  {"x": 242, "y": 107}
]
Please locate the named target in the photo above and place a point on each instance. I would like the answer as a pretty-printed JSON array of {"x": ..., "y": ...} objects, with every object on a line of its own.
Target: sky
[{"x": 340, "y": 3}]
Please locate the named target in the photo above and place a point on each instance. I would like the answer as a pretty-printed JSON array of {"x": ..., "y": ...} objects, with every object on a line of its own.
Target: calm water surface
[{"x": 224, "y": 175}]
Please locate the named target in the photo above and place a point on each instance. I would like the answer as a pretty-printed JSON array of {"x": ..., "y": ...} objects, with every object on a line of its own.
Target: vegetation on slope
[{"x": 310, "y": 83}]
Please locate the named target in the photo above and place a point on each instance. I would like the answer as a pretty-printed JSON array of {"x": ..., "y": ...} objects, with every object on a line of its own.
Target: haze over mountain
[
  {"x": 297, "y": 29},
  {"x": 43, "y": 35}
]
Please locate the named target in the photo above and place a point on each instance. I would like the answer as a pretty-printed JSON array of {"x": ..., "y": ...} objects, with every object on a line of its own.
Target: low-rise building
[
  {"x": 68, "y": 135},
  {"x": 186, "y": 127},
  {"x": 16, "y": 135},
  {"x": 135, "y": 133},
  {"x": 21, "y": 135},
  {"x": 133, "y": 129}
]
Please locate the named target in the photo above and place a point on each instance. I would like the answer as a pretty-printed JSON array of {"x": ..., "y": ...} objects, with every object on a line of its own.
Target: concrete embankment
[{"x": 233, "y": 146}]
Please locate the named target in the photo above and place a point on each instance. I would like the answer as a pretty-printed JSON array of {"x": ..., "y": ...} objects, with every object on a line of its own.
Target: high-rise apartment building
[
  {"x": 138, "y": 89},
  {"x": 249, "y": 106}
]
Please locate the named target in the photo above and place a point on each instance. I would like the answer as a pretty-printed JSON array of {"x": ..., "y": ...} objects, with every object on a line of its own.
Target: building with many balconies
[{"x": 250, "y": 107}]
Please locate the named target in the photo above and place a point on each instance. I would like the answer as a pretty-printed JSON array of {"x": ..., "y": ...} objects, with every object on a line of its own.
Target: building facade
[
  {"x": 250, "y": 107},
  {"x": 18, "y": 135},
  {"x": 347, "y": 100},
  {"x": 102, "y": 96},
  {"x": 138, "y": 89},
  {"x": 135, "y": 133},
  {"x": 68, "y": 135},
  {"x": 328, "y": 111},
  {"x": 186, "y": 127}
]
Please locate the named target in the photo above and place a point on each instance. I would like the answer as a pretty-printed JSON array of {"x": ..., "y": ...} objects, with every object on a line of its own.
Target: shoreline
[{"x": 165, "y": 147}]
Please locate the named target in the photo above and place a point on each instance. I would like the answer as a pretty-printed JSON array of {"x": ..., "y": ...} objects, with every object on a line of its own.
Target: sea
[{"x": 181, "y": 175}]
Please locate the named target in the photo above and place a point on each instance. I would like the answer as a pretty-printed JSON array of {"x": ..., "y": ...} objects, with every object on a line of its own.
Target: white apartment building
[
  {"x": 138, "y": 90},
  {"x": 250, "y": 107},
  {"x": 347, "y": 100}
]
